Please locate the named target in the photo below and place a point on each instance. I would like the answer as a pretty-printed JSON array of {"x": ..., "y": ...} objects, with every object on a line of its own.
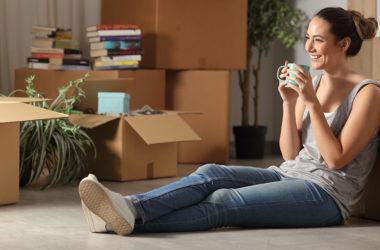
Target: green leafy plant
[
  {"x": 56, "y": 148},
  {"x": 268, "y": 20}
]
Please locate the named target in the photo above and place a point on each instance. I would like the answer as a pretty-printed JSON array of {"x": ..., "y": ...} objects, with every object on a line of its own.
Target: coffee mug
[{"x": 292, "y": 67}]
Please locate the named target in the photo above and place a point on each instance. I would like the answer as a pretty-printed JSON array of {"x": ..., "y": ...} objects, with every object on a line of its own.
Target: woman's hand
[
  {"x": 288, "y": 95},
  {"x": 305, "y": 87}
]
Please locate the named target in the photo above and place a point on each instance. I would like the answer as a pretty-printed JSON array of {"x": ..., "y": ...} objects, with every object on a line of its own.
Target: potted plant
[
  {"x": 268, "y": 20},
  {"x": 54, "y": 148}
]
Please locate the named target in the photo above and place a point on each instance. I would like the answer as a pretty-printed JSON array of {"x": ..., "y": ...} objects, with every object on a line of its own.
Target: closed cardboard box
[
  {"x": 12, "y": 112},
  {"x": 182, "y": 34},
  {"x": 146, "y": 86},
  {"x": 369, "y": 205},
  {"x": 206, "y": 91},
  {"x": 135, "y": 147}
]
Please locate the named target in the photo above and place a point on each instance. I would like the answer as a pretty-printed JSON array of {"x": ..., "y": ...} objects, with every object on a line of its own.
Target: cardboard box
[
  {"x": 369, "y": 206},
  {"x": 182, "y": 34},
  {"x": 145, "y": 86},
  {"x": 207, "y": 91},
  {"x": 12, "y": 112},
  {"x": 135, "y": 147},
  {"x": 148, "y": 92}
]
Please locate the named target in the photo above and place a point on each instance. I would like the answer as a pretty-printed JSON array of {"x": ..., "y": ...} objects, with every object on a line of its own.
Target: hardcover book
[
  {"x": 136, "y": 32},
  {"x": 113, "y": 38},
  {"x": 113, "y": 52},
  {"x": 112, "y": 27},
  {"x": 115, "y": 45}
]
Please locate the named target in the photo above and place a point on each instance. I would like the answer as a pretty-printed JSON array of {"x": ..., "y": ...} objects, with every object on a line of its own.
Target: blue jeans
[{"x": 219, "y": 196}]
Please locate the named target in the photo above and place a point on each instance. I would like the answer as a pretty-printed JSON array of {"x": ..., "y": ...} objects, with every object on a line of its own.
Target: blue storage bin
[{"x": 113, "y": 102}]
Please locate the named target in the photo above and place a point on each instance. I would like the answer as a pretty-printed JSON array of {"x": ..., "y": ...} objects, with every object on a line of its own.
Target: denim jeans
[{"x": 220, "y": 196}]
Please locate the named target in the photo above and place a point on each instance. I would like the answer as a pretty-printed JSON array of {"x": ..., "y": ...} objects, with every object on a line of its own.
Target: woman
[{"x": 328, "y": 141}]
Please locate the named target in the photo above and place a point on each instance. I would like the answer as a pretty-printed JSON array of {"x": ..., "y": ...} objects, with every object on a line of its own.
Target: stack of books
[
  {"x": 115, "y": 46},
  {"x": 55, "y": 48}
]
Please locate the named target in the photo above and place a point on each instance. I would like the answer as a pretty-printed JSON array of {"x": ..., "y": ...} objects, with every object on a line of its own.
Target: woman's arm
[
  {"x": 291, "y": 129},
  {"x": 356, "y": 133}
]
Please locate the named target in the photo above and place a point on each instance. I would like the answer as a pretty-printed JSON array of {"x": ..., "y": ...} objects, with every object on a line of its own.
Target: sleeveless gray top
[{"x": 345, "y": 185}]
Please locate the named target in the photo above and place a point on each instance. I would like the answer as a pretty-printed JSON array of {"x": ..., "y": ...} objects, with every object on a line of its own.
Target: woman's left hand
[{"x": 305, "y": 84}]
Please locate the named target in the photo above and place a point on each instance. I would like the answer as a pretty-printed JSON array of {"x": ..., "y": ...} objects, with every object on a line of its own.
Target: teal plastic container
[{"x": 113, "y": 102}]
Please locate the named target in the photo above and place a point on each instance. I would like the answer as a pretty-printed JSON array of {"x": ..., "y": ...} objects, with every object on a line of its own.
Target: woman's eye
[{"x": 318, "y": 40}]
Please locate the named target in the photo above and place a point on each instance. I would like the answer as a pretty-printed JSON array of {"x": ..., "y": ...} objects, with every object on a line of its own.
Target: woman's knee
[
  {"x": 207, "y": 169},
  {"x": 225, "y": 196}
]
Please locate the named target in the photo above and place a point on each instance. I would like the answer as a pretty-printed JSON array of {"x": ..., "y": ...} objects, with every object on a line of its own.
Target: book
[
  {"x": 116, "y": 67},
  {"x": 66, "y": 43},
  {"x": 67, "y": 61},
  {"x": 115, "y": 45},
  {"x": 37, "y": 65},
  {"x": 115, "y": 63},
  {"x": 113, "y": 52},
  {"x": 43, "y": 42},
  {"x": 46, "y": 50},
  {"x": 112, "y": 27},
  {"x": 63, "y": 34},
  {"x": 47, "y": 55},
  {"x": 74, "y": 67},
  {"x": 130, "y": 32},
  {"x": 73, "y": 56},
  {"x": 44, "y": 30},
  {"x": 45, "y": 60},
  {"x": 119, "y": 58},
  {"x": 72, "y": 51},
  {"x": 113, "y": 38}
]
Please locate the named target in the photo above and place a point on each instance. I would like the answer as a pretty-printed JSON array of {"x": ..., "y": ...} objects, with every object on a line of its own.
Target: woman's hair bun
[{"x": 365, "y": 27}]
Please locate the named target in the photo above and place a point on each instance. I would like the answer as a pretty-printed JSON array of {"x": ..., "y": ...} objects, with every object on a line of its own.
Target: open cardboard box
[
  {"x": 135, "y": 147},
  {"x": 12, "y": 112}
]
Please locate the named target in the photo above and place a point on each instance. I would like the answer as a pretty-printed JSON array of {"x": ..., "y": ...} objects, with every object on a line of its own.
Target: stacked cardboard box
[
  {"x": 198, "y": 42},
  {"x": 12, "y": 112}
]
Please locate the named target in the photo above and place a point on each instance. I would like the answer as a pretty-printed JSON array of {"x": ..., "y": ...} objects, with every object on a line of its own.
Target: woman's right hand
[{"x": 288, "y": 95}]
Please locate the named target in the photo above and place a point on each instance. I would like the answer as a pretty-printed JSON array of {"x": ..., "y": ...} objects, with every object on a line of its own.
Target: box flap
[
  {"x": 155, "y": 129},
  {"x": 8, "y": 99},
  {"x": 17, "y": 112},
  {"x": 91, "y": 121}
]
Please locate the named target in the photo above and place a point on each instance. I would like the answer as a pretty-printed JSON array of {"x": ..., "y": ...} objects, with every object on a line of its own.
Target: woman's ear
[{"x": 345, "y": 43}]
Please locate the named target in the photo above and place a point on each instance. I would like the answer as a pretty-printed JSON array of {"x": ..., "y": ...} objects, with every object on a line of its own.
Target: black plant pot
[{"x": 249, "y": 141}]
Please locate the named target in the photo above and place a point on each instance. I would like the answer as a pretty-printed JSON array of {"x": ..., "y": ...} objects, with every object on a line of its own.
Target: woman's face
[{"x": 321, "y": 45}]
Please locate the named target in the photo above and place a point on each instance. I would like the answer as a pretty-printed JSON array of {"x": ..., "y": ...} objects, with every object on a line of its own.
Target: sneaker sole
[{"x": 98, "y": 202}]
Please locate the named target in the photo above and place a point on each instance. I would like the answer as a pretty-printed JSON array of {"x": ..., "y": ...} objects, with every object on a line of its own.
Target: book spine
[
  {"x": 75, "y": 62},
  {"x": 116, "y": 33},
  {"x": 38, "y": 60},
  {"x": 117, "y": 26},
  {"x": 116, "y": 45},
  {"x": 47, "y": 55},
  {"x": 125, "y": 52},
  {"x": 115, "y": 63},
  {"x": 74, "y": 67},
  {"x": 116, "y": 67}
]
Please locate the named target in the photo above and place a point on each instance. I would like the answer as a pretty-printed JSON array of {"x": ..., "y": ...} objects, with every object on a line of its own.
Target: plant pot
[{"x": 249, "y": 141}]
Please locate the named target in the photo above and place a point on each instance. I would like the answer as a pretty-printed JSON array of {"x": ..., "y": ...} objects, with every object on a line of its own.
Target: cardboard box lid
[
  {"x": 90, "y": 120},
  {"x": 18, "y": 112},
  {"x": 7, "y": 99},
  {"x": 155, "y": 129}
]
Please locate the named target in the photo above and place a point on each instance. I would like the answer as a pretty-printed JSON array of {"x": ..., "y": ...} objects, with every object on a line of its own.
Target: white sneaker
[{"x": 102, "y": 206}]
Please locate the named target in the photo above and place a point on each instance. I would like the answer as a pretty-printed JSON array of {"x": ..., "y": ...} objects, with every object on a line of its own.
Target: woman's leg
[
  {"x": 196, "y": 187},
  {"x": 286, "y": 203}
]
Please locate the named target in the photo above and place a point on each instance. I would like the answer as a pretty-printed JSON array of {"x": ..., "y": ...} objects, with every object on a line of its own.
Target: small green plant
[{"x": 56, "y": 148}]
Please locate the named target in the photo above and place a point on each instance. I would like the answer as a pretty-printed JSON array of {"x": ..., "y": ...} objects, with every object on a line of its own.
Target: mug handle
[{"x": 278, "y": 73}]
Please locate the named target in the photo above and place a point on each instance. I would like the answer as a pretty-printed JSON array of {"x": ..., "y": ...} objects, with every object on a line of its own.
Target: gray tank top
[{"x": 345, "y": 185}]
